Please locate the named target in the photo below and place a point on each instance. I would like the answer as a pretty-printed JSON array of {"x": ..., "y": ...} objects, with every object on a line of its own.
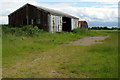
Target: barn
[
  {"x": 82, "y": 24},
  {"x": 47, "y": 19}
]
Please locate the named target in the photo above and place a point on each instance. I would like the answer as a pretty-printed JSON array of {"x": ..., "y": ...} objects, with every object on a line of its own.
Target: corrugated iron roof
[{"x": 51, "y": 11}]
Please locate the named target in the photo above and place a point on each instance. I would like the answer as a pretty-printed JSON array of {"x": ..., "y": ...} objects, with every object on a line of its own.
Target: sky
[{"x": 95, "y": 12}]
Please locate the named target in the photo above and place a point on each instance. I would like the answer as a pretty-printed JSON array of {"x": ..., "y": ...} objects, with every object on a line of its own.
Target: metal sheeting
[
  {"x": 55, "y": 23},
  {"x": 49, "y": 22},
  {"x": 74, "y": 23}
]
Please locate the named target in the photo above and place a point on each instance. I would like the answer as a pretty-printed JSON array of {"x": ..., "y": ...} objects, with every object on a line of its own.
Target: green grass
[
  {"x": 99, "y": 61},
  {"x": 15, "y": 45},
  {"x": 43, "y": 56}
]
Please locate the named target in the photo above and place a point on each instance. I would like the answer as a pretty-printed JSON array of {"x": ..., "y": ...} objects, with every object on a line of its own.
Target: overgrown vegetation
[
  {"x": 78, "y": 30},
  {"x": 32, "y": 31},
  {"x": 23, "y": 31},
  {"x": 32, "y": 53}
]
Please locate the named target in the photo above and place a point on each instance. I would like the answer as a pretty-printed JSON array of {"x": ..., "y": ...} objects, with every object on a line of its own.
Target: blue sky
[
  {"x": 95, "y": 12},
  {"x": 78, "y": 4}
]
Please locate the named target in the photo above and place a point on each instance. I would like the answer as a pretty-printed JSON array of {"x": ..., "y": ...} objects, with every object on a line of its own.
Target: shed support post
[{"x": 27, "y": 14}]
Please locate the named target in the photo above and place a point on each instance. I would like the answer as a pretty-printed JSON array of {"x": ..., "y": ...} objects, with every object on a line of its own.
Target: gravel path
[{"x": 88, "y": 41}]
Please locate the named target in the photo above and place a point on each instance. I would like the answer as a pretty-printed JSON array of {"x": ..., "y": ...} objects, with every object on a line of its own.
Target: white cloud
[
  {"x": 8, "y": 6},
  {"x": 109, "y": 6},
  {"x": 3, "y": 19},
  {"x": 104, "y": 14}
]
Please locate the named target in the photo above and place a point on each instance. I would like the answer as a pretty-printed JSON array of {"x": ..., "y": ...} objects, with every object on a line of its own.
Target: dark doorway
[
  {"x": 25, "y": 22},
  {"x": 66, "y": 24}
]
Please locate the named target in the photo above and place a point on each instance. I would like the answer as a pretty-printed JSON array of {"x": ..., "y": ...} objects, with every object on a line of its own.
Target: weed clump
[
  {"x": 73, "y": 71},
  {"x": 78, "y": 30}
]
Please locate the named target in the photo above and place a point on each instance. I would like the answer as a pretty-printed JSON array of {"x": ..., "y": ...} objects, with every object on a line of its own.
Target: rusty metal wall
[
  {"x": 55, "y": 23},
  {"x": 79, "y": 24},
  {"x": 74, "y": 23}
]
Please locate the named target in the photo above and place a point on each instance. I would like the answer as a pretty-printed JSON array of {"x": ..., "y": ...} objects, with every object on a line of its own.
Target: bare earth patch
[
  {"x": 36, "y": 52},
  {"x": 88, "y": 41}
]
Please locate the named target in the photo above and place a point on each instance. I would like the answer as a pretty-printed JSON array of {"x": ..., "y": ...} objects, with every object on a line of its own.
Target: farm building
[
  {"x": 46, "y": 19},
  {"x": 82, "y": 24}
]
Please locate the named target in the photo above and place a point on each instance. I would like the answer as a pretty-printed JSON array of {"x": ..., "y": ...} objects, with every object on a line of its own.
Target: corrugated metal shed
[
  {"x": 83, "y": 24},
  {"x": 46, "y": 19}
]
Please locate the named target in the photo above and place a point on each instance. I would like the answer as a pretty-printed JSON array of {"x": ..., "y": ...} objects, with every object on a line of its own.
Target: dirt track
[{"x": 88, "y": 41}]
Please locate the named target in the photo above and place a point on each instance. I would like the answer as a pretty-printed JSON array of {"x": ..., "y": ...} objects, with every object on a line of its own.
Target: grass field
[{"x": 43, "y": 56}]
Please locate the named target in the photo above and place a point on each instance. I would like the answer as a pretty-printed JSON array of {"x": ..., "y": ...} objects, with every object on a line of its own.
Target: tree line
[{"x": 104, "y": 28}]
